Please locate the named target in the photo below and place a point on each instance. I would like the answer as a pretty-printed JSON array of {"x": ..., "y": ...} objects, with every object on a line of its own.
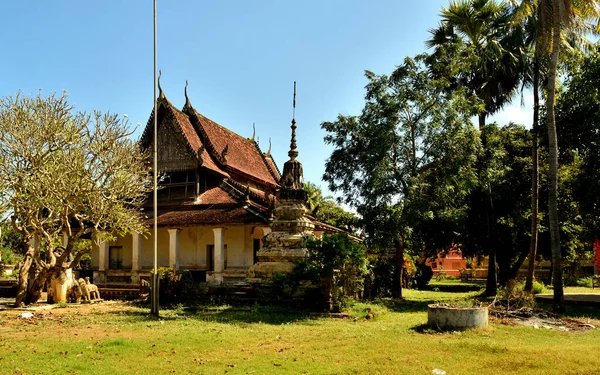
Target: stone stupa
[{"x": 291, "y": 227}]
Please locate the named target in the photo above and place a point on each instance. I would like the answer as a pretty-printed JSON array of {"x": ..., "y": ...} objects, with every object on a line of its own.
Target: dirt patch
[{"x": 539, "y": 319}]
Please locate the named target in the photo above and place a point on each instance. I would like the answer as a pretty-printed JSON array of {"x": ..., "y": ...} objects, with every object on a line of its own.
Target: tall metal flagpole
[{"x": 154, "y": 297}]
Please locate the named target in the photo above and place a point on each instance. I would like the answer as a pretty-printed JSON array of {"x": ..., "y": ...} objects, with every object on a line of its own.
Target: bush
[
  {"x": 168, "y": 285},
  {"x": 515, "y": 296},
  {"x": 584, "y": 282},
  {"x": 9, "y": 257},
  {"x": 338, "y": 258},
  {"x": 538, "y": 287},
  {"x": 423, "y": 275}
]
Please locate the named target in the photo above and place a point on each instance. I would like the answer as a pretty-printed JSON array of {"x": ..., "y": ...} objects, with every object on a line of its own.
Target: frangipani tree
[{"x": 66, "y": 173}]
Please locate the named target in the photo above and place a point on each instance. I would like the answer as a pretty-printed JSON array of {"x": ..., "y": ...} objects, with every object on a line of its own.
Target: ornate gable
[{"x": 180, "y": 147}]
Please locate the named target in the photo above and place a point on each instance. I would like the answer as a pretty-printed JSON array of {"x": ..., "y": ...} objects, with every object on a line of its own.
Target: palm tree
[
  {"x": 533, "y": 16},
  {"x": 478, "y": 34},
  {"x": 315, "y": 198},
  {"x": 563, "y": 17}
]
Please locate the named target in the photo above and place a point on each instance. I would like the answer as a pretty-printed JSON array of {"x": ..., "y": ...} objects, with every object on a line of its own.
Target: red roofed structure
[{"x": 215, "y": 202}]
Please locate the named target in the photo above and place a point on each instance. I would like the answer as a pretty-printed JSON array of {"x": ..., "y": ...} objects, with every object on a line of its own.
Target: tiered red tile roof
[
  {"x": 242, "y": 154},
  {"x": 231, "y": 201}
]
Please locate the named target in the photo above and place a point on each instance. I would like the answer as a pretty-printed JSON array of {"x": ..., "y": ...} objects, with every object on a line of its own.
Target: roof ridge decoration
[
  {"x": 187, "y": 104},
  {"x": 224, "y": 154},
  {"x": 276, "y": 176},
  {"x": 253, "y": 132},
  {"x": 245, "y": 193},
  {"x": 164, "y": 104},
  {"x": 161, "y": 94}
]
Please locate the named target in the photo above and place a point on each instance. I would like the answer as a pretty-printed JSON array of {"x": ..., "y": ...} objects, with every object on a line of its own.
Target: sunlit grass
[{"x": 124, "y": 339}]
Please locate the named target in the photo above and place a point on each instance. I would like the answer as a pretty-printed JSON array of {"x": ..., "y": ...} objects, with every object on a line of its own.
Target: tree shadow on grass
[
  {"x": 219, "y": 314},
  {"x": 471, "y": 286},
  {"x": 574, "y": 311}
]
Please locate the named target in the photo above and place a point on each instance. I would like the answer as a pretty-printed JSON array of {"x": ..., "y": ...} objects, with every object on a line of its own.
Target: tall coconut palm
[
  {"x": 564, "y": 14},
  {"x": 534, "y": 17},
  {"x": 478, "y": 34}
]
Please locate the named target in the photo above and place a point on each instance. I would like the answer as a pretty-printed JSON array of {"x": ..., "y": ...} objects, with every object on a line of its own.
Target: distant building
[{"x": 448, "y": 263}]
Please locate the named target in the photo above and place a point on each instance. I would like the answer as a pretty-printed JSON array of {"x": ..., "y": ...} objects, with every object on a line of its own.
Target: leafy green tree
[
  {"x": 326, "y": 210},
  {"x": 488, "y": 57},
  {"x": 407, "y": 162},
  {"x": 66, "y": 173},
  {"x": 11, "y": 244},
  {"x": 315, "y": 198},
  {"x": 343, "y": 261},
  {"x": 578, "y": 127},
  {"x": 509, "y": 156}
]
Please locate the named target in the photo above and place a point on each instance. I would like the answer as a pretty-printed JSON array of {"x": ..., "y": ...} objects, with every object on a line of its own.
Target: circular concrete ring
[{"x": 450, "y": 317}]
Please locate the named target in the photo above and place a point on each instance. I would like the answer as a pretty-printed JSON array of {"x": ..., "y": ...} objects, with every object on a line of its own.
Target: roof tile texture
[{"x": 242, "y": 153}]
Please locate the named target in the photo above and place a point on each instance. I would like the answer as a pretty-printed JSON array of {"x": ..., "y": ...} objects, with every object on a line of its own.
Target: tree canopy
[
  {"x": 407, "y": 162},
  {"x": 66, "y": 172}
]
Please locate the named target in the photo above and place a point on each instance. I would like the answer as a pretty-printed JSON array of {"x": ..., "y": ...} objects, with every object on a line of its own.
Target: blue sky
[{"x": 240, "y": 58}]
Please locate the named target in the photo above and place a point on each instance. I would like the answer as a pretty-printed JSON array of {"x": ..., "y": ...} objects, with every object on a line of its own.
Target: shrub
[
  {"x": 515, "y": 296},
  {"x": 338, "y": 258},
  {"x": 168, "y": 285},
  {"x": 584, "y": 282},
  {"x": 538, "y": 287},
  {"x": 423, "y": 275}
]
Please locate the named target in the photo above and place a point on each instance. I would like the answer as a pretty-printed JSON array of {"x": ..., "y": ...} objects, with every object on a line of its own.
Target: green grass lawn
[{"x": 123, "y": 339}]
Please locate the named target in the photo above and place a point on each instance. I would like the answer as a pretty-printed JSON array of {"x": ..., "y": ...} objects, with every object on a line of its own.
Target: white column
[
  {"x": 174, "y": 248},
  {"x": 102, "y": 255},
  {"x": 219, "y": 255},
  {"x": 136, "y": 251}
]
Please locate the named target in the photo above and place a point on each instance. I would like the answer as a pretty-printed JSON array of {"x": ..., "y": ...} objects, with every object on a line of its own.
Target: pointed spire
[
  {"x": 253, "y": 131},
  {"x": 187, "y": 99},
  {"x": 293, "y": 153},
  {"x": 161, "y": 94}
]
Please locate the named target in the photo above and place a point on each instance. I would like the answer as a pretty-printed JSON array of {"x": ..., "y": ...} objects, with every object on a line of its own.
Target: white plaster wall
[
  {"x": 235, "y": 241},
  {"x": 147, "y": 257},
  {"x": 192, "y": 247}
]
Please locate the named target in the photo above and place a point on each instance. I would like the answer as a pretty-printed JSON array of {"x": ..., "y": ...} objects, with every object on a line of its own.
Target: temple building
[{"x": 219, "y": 196}]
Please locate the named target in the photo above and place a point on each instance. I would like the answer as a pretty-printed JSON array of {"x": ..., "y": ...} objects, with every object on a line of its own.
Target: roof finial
[
  {"x": 253, "y": 131},
  {"x": 187, "y": 100},
  {"x": 268, "y": 153},
  {"x": 161, "y": 94},
  {"x": 293, "y": 153}
]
